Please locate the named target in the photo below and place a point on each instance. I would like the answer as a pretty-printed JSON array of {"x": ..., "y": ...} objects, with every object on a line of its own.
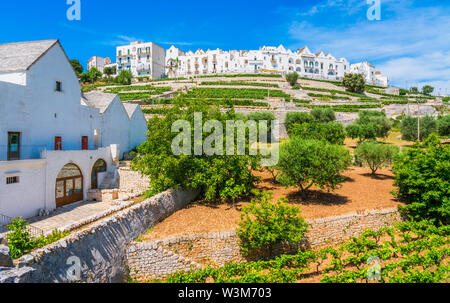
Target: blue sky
[{"x": 410, "y": 44}]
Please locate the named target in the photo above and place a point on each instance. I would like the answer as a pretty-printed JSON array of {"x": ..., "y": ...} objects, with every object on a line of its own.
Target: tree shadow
[
  {"x": 378, "y": 176},
  {"x": 317, "y": 197}
]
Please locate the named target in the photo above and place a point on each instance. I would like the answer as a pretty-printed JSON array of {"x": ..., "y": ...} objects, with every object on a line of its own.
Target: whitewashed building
[
  {"x": 56, "y": 143},
  {"x": 370, "y": 73},
  {"x": 98, "y": 62},
  {"x": 266, "y": 59},
  {"x": 142, "y": 59}
]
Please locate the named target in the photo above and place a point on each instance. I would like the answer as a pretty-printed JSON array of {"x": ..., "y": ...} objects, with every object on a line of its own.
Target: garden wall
[
  {"x": 96, "y": 254},
  {"x": 155, "y": 260}
]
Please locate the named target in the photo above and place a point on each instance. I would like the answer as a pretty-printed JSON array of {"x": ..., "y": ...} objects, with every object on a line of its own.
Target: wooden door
[
  {"x": 69, "y": 186},
  {"x": 58, "y": 143},
  {"x": 13, "y": 146},
  {"x": 84, "y": 143}
]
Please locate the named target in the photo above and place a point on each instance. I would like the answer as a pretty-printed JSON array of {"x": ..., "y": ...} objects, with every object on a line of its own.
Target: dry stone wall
[
  {"x": 97, "y": 253},
  {"x": 151, "y": 260}
]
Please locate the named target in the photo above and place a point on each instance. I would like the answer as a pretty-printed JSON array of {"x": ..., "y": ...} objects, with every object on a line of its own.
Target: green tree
[
  {"x": 264, "y": 224},
  {"x": 444, "y": 125},
  {"x": 124, "y": 77},
  {"x": 414, "y": 90},
  {"x": 409, "y": 125},
  {"x": 332, "y": 132},
  {"x": 296, "y": 118},
  {"x": 224, "y": 177},
  {"x": 422, "y": 174},
  {"x": 292, "y": 78},
  {"x": 427, "y": 89},
  {"x": 376, "y": 155},
  {"x": 354, "y": 83},
  {"x": 304, "y": 163},
  {"x": 78, "y": 68},
  {"x": 110, "y": 70},
  {"x": 379, "y": 118},
  {"x": 323, "y": 114},
  {"x": 91, "y": 76},
  {"x": 363, "y": 132}
]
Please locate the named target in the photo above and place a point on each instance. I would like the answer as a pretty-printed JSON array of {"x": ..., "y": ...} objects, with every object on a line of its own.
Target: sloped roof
[
  {"x": 130, "y": 108},
  {"x": 17, "y": 57},
  {"x": 99, "y": 100}
]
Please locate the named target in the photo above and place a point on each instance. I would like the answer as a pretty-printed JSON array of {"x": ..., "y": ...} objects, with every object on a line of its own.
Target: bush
[
  {"x": 224, "y": 177},
  {"x": 304, "y": 163},
  {"x": 422, "y": 174},
  {"x": 20, "y": 241},
  {"x": 296, "y": 118},
  {"x": 363, "y": 131},
  {"x": 354, "y": 83},
  {"x": 444, "y": 125},
  {"x": 292, "y": 78},
  {"x": 379, "y": 118},
  {"x": 124, "y": 77},
  {"x": 323, "y": 114},
  {"x": 264, "y": 224},
  {"x": 408, "y": 127},
  {"x": 332, "y": 132},
  {"x": 376, "y": 155}
]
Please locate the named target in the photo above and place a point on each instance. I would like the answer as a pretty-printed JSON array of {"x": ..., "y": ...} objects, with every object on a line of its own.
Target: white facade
[
  {"x": 369, "y": 72},
  {"x": 142, "y": 59},
  {"x": 98, "y": 62},
  {"x": 41, "y": 103},
  {"x": 266, "y": 59}
]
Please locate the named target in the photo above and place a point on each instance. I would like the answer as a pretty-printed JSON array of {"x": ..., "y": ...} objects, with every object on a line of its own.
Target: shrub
[
  {"x": 444, "y": 125},
  {"x": 124, "y": 77},
  {"x": 304, "y": 163},
  {"x": 379, "y": 118},
  {"x": 354, "y": 83},
  {"x": 363, "y": 131},
  {"x": 376, "y": 155},
  {"x": 224, "y": 177},
  {"x": 332, "y": 132},
  {"x": 427, "y": 89},
  {"x": 264, "y": 224},
  {"x": 323, "y": 114},
  {"x": 422, "y": 174},
  {"x": 292, "y": 78},
  {"x": 20, "y": 242},
  {"x": 296, "y": 118},
  {"x": 409, "y": 127}
]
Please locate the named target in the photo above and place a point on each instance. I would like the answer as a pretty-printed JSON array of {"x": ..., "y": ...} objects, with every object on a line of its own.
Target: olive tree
[
  {"x": 304, "y": 163},
  {"x": 292, "y": 78},
  {"x": 354, "y": 83},
  {"x": 376, "y": 155}
]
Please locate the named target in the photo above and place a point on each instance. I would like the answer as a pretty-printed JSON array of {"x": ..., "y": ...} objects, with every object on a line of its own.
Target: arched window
[{"x": 69, "y": 185}]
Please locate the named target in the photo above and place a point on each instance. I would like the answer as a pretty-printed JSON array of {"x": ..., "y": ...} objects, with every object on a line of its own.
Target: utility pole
[{"x": 418, "y": 120}]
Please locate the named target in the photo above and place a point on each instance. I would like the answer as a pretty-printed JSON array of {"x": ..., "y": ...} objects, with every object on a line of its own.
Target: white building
[
  {"x": 98, "y": 62},
  {"x": 369, "y": 72},
  {"x": 142, "y": 59},
  {"x": 266, "y": 59},
  {"x": 55, "y": 142}
]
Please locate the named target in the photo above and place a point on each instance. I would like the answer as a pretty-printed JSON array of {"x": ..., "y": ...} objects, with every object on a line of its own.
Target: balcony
[
  {"x": 256, "y": 62},
  {"x": 25, "y": 152}
]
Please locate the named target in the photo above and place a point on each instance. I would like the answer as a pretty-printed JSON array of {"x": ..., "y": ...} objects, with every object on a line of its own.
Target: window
[
  {"x": 13, "y": 146},
  {"x": 58, "y": 86},
  {"x": 12, "y": 180}
]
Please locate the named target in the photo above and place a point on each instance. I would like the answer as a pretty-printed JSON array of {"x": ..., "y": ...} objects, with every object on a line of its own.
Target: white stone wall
[{"x": 100, "y": 248}]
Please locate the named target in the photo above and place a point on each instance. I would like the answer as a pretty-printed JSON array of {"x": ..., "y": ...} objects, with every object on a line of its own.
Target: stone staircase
[{"x": 108, "y": 182}]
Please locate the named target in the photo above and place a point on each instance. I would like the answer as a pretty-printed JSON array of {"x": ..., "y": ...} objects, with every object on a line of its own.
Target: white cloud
[{"x": 410, "y": 45}]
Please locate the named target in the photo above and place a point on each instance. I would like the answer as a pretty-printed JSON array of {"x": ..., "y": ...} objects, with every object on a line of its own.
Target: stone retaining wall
[
  {"x": 152, "y": 260},
  {"x": 97, "y": 253}
]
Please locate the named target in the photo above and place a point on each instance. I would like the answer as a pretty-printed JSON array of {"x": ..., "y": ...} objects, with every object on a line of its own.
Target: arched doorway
[
  {"x": 69, "y": 185},
  {"x": 99, "y": 167}
]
